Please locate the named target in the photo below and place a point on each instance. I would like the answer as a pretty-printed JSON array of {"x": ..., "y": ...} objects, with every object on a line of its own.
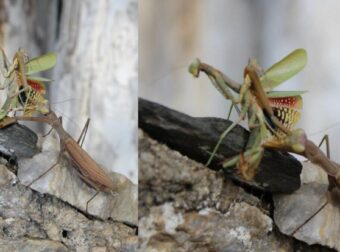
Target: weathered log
[{"x": 196, "y": 137}]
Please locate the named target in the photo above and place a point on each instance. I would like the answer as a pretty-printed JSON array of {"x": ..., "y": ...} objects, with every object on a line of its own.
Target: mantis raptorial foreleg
[{"x": 262, "y": 99}]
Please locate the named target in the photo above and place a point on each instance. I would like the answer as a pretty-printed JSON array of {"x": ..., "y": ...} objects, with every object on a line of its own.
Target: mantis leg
[
  {"x": 4, "y": 68},
  {"x": 326, "y": 140},
  {"x": 311, "y": 217},
  {"x": 262, "y": 98},
  {"x": 221, "y": 86},
  {"x": 87, "y": 203},
  {"x": 83, "y": 133},
  {"x": 230, "y": 110},
  {"x": 27, "y": 98},
  {"x": 247, "y": 162},
  {"x": 49, "y": 132},
  {"x": 225, "y": 133},
  {"x": 45, "y": 172}
]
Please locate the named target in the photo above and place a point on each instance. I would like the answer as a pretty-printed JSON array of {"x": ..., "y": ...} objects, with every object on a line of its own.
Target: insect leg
[
  {"x": 83, "y": 133},
  {"x": 326, "y": 140},
  {"x": 49, "y": 132},
  {"x": 87, "y": 203},
  {"x": 262, "y": 97},
  {"x": 44, "y": 173},
  {"x": 226, "y": 132},
  {"x": 311, "y": 217}
]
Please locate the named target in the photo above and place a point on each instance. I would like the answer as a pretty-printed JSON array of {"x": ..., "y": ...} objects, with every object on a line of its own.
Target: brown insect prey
[{"x": 87, "y": 168}]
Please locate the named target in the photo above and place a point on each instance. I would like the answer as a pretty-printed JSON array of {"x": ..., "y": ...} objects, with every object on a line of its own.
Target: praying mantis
[
  {"x": 84, "y": 164},
  {"x": 23, "y": 88},
  {"x": 270, "y": 126},
  {"x": 18, "y": 79}
]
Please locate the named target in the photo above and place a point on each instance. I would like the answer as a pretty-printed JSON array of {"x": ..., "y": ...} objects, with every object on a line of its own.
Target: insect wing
[
  {"x": 37, "y": 86},
  {"x": 41, "y": 63},
  {"x": 38, "y": 78},
  {"x": 287, "y": 109},
  {"x": 280, "y": 94},
  {"x": 284, "y": 69}
]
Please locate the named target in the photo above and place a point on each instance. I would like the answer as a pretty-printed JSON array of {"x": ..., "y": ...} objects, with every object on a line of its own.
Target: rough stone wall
[{"x": 184, "y": 206}]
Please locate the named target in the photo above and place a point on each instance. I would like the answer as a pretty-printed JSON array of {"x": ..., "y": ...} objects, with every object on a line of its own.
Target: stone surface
[
  {"x": 31, "y": 221},
  {"x": 17, "y": 141},
  {"x": 63, "y": 182},
  {"x": 28, "y": 245},
  {"x": 241, "y": 228},
  {"x": 184, "y": 206},
  {"x": 312, "y": 213}
]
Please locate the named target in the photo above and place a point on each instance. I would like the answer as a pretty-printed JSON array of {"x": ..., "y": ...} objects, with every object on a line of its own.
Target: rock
[
  {"x": 6, "y": 177},
  {"x": 241, "y": 228},
  {"x": 63, "y": 182},
  {"x": 28, "y": 245},
  {"x": 31, "y": 221},
  {"x": 312, "y": 213},
  {"x": 17, "y": 141},
  {"x": 184, "y": 206}
]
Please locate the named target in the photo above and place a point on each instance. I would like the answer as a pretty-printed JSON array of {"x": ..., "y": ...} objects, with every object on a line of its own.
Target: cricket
[
  {"x": 271, "y": 114},
  {"x": 25, "y": 93}
]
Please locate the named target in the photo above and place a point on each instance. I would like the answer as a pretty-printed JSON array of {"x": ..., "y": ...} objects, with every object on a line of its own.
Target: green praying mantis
[
  {"x": 271, "y": 114},
  {"x": 24, "y": 90}
]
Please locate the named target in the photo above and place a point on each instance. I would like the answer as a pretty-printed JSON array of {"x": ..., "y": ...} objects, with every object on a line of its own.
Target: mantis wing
[
  {"x": 38, "y": 78},
  {"x": 4, "y": 63},
  {"x": 284, "y": 69},
  {"x": 276, "y": 94},
  {"x": 287, "y": 109},
  {"x": 41, "y": 63}
]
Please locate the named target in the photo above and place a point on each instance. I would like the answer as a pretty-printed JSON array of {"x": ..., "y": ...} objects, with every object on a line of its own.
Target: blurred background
[
  {"x": 225, "y": 34},
  {"x": 96, "y": 73}
]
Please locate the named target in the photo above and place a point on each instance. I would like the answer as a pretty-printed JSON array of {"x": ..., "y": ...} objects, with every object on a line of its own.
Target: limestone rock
[
  {"x": 185, "y": 206},
  {"x": 312, "y": 213},
  {"x": 28, "y": 245},
  {"x": 31, "y": 221}
]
